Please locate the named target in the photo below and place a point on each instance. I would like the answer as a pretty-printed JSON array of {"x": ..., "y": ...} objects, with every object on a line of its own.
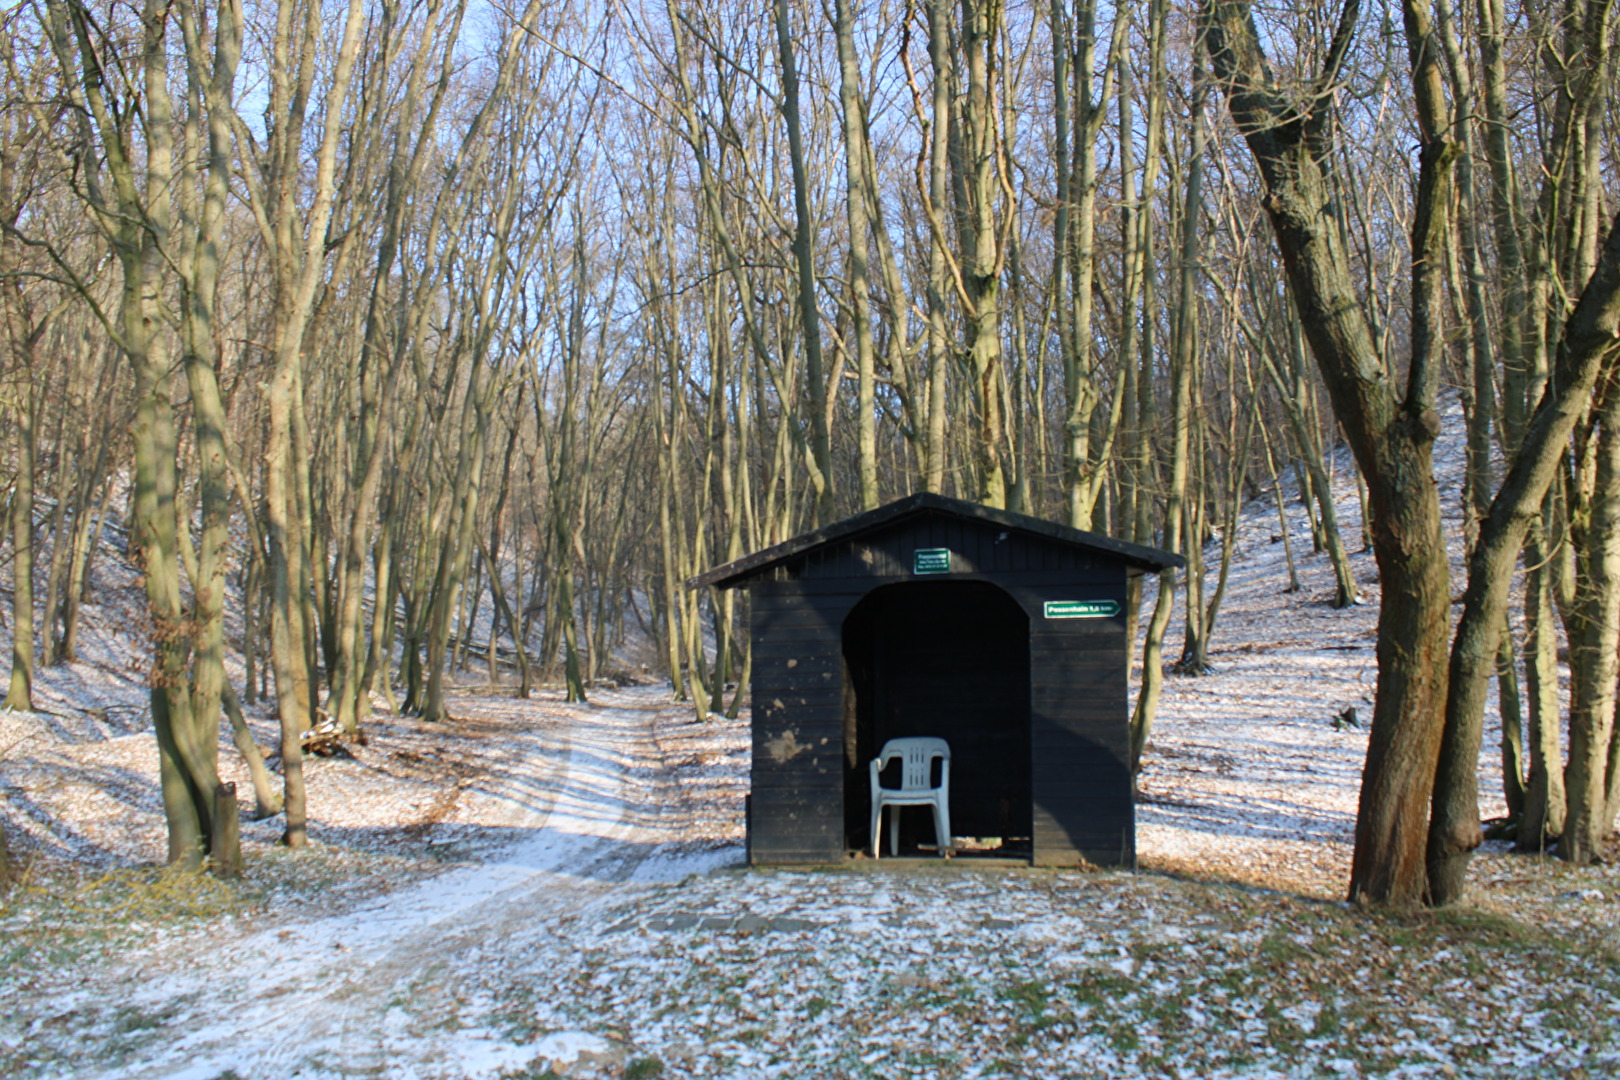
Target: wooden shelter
[{"x": 1001, "y": 633}]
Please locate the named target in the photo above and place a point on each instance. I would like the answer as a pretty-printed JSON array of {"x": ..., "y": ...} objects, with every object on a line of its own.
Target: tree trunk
[
  {"x": 983, "y": 258},
  {"x": 1282, "y": 514},
  {"x": 1319, "y": 489},
  {"x": 940, "y": 347},
  {"x": 1391, "y": 436},
  {"x": 57, "y": 569},
  {"x": 1184, "y": 360},
  {"x": 1545, "y": 804},
  {"x": 266, "y": 803},
  {"x": 804, "y": 260},
  {"x": 20, "y": 694},
  {"x": 1586, "y": 354},
  {"x": 1512, "y": 713},
  {"x": 854, "y": 116},
  {"x": 87, "y": 536},
  {"x": 1593, "y": 625}
]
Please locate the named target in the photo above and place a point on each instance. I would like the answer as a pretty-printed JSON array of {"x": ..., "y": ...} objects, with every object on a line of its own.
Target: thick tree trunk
[
  {"x": 21, "y": 333},
  {"x": 288, "y": 659},
  {"x": 139, "y": 227},
  {"x": 1392, "y": 436},
  {"x": 200, "y": 274}
]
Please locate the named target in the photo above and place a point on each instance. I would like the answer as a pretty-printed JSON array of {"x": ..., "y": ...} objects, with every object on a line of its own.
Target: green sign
[
  {"x": 1082, "y": 609},
  {"x": 931, "y": 561}
]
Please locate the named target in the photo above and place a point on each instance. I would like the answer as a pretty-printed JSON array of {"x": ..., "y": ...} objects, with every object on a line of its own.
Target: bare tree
[{"x": 1291, "y": 133}]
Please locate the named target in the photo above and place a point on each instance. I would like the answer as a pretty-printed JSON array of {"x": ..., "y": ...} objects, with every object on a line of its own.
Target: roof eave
[{"x": 1138, "y": 559}]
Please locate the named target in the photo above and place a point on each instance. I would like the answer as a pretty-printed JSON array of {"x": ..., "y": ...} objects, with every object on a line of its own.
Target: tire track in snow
[{"x": 610, "y": 817}]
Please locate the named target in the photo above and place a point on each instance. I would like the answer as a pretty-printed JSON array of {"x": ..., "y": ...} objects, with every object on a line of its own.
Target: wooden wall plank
[
  {"x": 1082, "y": 794},
  {"x": 797, "y": 781}
]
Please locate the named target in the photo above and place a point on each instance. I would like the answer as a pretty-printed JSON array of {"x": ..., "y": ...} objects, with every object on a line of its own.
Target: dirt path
[{"x": 378, "y": 989}]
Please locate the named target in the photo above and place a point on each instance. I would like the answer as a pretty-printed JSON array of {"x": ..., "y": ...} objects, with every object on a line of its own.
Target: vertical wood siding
[{"x": 1081, "y": 790}]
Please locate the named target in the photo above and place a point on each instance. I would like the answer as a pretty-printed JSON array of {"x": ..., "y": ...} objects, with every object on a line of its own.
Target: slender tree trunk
[
  {"x": 1195, "y": 654},
  {"x": 1282, "y": 515},
  {"x": 804, "y": 258},
  {"x": 1183, "y": 371},
  {"x": 57, "y": 569},
  {"x": 20, "y": 694},
  {"x": 1586, "y": 354},
  {"x": 854, "y": 116},
  {"x": 87, "y": 536},
  {"x": 1512, "y": 710},
  {"x": 940, "y": 347},
  {"x": 266, "y": 802},
  {"x": 1318, "y": 490},
  {"x": 983, "y": 258}
]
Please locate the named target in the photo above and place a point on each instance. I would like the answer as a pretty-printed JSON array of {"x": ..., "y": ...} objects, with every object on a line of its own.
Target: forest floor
[
  {"x": 558, "y": 889},
  {"x": 541, "y": 888}
]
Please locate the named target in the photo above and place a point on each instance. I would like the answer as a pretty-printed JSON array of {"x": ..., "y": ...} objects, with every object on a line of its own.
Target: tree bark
[
  {"x": 1183, "y": 364},
  {"x": 1392, "y": 435},
  {"x": 804, "y": 261},
  {"x": 855, "y": 203},
  {"x": 1589, "y": 352},
  {"x": 983, "y": 258},
  {"x": 937, "y": 192},
  {"x": 1545, "y": 804},
  {"x": 20, "y": 692},
  {"x": 1319, "y": 487}
]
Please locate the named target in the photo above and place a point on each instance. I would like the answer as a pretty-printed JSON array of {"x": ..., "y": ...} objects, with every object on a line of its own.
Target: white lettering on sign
[{"x": 1082, "y": 609}]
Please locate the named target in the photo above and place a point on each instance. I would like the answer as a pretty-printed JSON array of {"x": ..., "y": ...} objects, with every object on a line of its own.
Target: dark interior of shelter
[{"x": 948, "y": 659}]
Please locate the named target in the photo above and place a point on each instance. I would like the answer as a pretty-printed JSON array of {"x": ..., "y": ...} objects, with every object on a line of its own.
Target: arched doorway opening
[{"x": 948, "y": 659}]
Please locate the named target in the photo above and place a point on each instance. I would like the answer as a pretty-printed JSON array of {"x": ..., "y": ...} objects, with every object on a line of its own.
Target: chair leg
[
  {"x": 894, "y": 833},
  {"x": 877, "y": 828},
  {"x": 942, "y": 828}
]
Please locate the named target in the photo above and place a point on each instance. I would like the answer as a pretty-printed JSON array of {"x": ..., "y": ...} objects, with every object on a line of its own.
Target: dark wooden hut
[{"x": 1001, "y": 633}]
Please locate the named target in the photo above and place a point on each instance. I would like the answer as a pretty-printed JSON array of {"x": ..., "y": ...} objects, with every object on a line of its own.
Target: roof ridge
[{"x": 738, "y": 570}]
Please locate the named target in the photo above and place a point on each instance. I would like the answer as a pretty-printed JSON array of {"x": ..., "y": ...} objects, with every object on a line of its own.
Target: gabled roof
[{"x": 1136, "y": 556}]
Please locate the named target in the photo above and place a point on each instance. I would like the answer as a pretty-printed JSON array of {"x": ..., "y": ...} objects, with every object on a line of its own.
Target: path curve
[{"x": 336, "y": 996}]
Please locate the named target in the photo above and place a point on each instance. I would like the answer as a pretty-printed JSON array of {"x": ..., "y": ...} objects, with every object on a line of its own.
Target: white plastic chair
[{"x": 916, "y": 788}]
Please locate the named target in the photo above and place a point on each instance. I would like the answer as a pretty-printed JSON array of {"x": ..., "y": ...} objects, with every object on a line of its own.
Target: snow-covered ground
[
  {"x": 575, "y": 904},
  {"x": 579, "y": 908},
  {"x": 546, "y": 888}
]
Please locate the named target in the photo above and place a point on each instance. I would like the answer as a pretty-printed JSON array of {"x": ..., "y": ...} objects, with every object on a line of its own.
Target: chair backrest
[{"x": 916, "y": 756}]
